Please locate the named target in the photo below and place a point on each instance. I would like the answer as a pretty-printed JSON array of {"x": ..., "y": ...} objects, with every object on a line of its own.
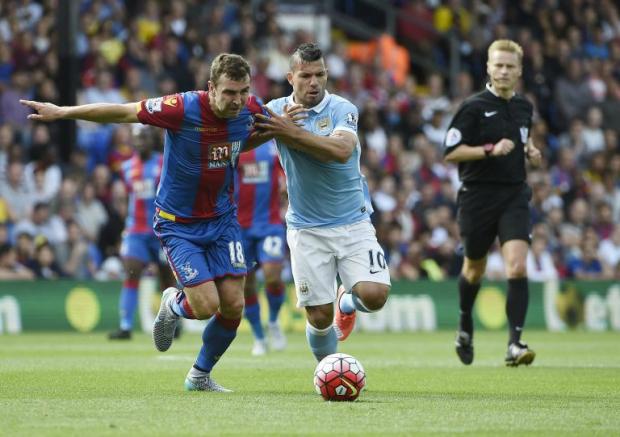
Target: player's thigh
[
  {"x": 249, "y": 288},
  {"x": 203, "y": 299},
  {"x": 361, "y": 258},
  {"x": 230, "y": 292},
  {"x": 313, "y": 264},
  {"x": 272, "y": 272},
  {"x": 514, "y": 253}
]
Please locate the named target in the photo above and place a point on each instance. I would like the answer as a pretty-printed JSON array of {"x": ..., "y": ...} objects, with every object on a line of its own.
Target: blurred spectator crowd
[{"x": 64, "y": 217}]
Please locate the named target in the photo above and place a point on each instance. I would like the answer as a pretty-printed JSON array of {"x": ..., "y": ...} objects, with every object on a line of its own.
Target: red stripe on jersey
[
  {"x": 247, "y": 193},
  {"x": 253, "y": 105},
  {"x": 274, "y": 201},
  {"x": 216, "y": 130}
]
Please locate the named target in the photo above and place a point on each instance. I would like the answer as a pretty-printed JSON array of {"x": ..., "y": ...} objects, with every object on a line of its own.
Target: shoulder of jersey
[
  {"x": 277, "y": 102},
  {"x": 336, "y": 100},
  {"x": 254, "y": 104},
  {"x": 521, "y": 98},
  {"x": 481, "y": 96}
]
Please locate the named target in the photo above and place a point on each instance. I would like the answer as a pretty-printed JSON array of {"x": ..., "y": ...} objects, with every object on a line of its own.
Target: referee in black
[{"x": 489, "y": 139}]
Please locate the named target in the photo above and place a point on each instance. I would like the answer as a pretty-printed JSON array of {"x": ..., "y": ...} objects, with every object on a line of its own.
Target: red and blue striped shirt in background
[
  {"x": 258, "y": 184},
  {"x": 141, "y": 179},
  {"x": 201, "y": 152}
]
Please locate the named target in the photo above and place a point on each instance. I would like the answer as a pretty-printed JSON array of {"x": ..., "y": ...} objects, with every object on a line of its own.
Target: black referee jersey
[{"x": 486, "y": 118}]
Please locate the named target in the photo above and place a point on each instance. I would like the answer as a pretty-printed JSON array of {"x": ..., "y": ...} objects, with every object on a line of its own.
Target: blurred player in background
[
  {"x": 196, "y": 217},
  {"x": 489, "y": 139},
  {"x": 329, "y": 232},
  {"x": 140, "y": 246},
  {"x": 259, "y": 187}
]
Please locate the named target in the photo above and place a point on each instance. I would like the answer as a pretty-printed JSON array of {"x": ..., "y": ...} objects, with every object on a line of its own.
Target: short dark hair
[
  {"x": 306, "y": 52},
  {"x": 233, "y": 66}
]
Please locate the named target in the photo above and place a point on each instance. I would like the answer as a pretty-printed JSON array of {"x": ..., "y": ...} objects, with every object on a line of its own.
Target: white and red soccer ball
[{"x": 339, "y": 377}]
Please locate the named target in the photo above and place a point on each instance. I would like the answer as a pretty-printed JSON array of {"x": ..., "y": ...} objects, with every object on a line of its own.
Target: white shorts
[{"x": 318, "y": 254}]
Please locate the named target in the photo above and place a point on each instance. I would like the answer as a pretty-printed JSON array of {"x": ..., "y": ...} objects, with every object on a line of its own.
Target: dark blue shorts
[
  {"x": 143, "y": 247},
  {"x": 266, "y": 244},
  {"x": 202, "y": 251}
]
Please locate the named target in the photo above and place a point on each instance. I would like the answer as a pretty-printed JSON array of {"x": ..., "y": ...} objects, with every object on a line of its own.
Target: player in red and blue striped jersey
[
  {"x": 140, "y": 246},
  {"x": 196, "y": 219},
  {"x": 259, "y": 186}
]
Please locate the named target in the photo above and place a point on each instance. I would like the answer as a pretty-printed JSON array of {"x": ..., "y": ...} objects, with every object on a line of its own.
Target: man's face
[
  {"x": 308, "y": 80},
  {"x": 228, "y": 97},
  {"x": 504, "y": 69}
]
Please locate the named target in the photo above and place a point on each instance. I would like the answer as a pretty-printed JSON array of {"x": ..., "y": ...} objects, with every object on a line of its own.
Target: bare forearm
[
  {"x": 325, "y": 149},
  {"x": 102, "y": 112}
]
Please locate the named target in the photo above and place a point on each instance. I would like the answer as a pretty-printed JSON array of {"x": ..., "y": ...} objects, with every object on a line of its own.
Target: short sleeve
[
  {"x": 346, "y": 117},
  {"x": 462, "y": 129},
  {"x": 166, "y": 112}
]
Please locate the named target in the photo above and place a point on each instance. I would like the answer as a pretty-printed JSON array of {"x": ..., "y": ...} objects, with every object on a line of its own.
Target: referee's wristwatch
[{"x": 488, "y": 149}]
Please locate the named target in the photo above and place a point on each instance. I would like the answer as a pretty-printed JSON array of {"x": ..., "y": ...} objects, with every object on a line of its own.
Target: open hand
[
  {"x": 43, "y": 111},
  {"x": 296, "y": 112},
  {"x": 280, "y": 125}
]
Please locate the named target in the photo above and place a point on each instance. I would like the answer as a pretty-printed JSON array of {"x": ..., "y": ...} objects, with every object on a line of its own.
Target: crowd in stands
[{"x": 64, "y": 217}]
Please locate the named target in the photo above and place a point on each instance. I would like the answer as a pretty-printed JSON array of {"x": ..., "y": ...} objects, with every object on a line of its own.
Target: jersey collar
[
  {"x": 317, "y": 108},
  {"x": 492, "y": 91}
]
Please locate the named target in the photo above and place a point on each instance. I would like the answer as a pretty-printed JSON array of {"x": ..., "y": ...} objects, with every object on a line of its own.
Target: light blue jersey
[{"x": 324, "y": 194}]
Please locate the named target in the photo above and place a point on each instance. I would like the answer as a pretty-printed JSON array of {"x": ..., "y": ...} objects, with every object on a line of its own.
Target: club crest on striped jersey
[
  {"x": 222, "y": 154},
  {"x": 171, "y": 101}
]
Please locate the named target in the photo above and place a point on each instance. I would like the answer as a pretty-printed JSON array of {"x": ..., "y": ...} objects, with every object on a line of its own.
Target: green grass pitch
[{"x": 72, "y": 384}]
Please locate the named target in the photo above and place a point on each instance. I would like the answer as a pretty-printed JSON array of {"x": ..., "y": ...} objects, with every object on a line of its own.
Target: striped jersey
[
  {"x": 201, "y": 152},
  {"x": 141, "y": 179},
  {"x": 258, "y": 187}
]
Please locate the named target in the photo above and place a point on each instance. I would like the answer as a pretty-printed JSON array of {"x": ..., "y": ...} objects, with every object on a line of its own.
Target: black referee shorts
[{"x": 487, "y": 211}]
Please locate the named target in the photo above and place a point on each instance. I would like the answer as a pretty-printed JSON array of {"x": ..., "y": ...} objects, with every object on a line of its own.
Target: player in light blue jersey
[{"x": 328, "y": 220}]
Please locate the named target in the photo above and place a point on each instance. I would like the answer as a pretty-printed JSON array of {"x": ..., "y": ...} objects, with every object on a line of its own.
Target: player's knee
[
  {"x": 320, "y": 317},
  {"x": 321, "y": 322},
  {"x": 232, "y": 308},
  {"x": 516, "y": 269},
  {"x": 376, "y": 298},
  {"x": 203, "y": 308},
  {"x": 272, "y": 282},
  {"x": 472, "y": 274}
]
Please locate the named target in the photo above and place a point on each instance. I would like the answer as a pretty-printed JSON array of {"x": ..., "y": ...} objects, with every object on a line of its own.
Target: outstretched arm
[
  {"x": 337, "y": 147},
  {"x": 97, "y": 112}
]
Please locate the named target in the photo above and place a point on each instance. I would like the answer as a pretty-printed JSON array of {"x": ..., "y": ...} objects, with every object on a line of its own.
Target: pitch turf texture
[{"x": 72, "y": 384}]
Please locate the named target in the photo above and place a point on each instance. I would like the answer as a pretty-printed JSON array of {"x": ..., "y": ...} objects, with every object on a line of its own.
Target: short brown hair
[
  {"x": 234, "y": 67},
  {"x": 506, "y": 45}
]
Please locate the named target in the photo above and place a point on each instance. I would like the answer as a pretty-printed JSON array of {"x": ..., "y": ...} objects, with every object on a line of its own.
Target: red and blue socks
[
  {"x": 216, "y": 337},
  {"x": 127, "y": 303}
]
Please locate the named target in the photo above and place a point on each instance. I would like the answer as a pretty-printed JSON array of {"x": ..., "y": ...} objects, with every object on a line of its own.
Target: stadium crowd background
[{"x": 64, "y": 218}]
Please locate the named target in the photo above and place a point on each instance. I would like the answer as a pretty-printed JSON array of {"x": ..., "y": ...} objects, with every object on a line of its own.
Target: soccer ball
[{"x": 339, "y": 377}]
